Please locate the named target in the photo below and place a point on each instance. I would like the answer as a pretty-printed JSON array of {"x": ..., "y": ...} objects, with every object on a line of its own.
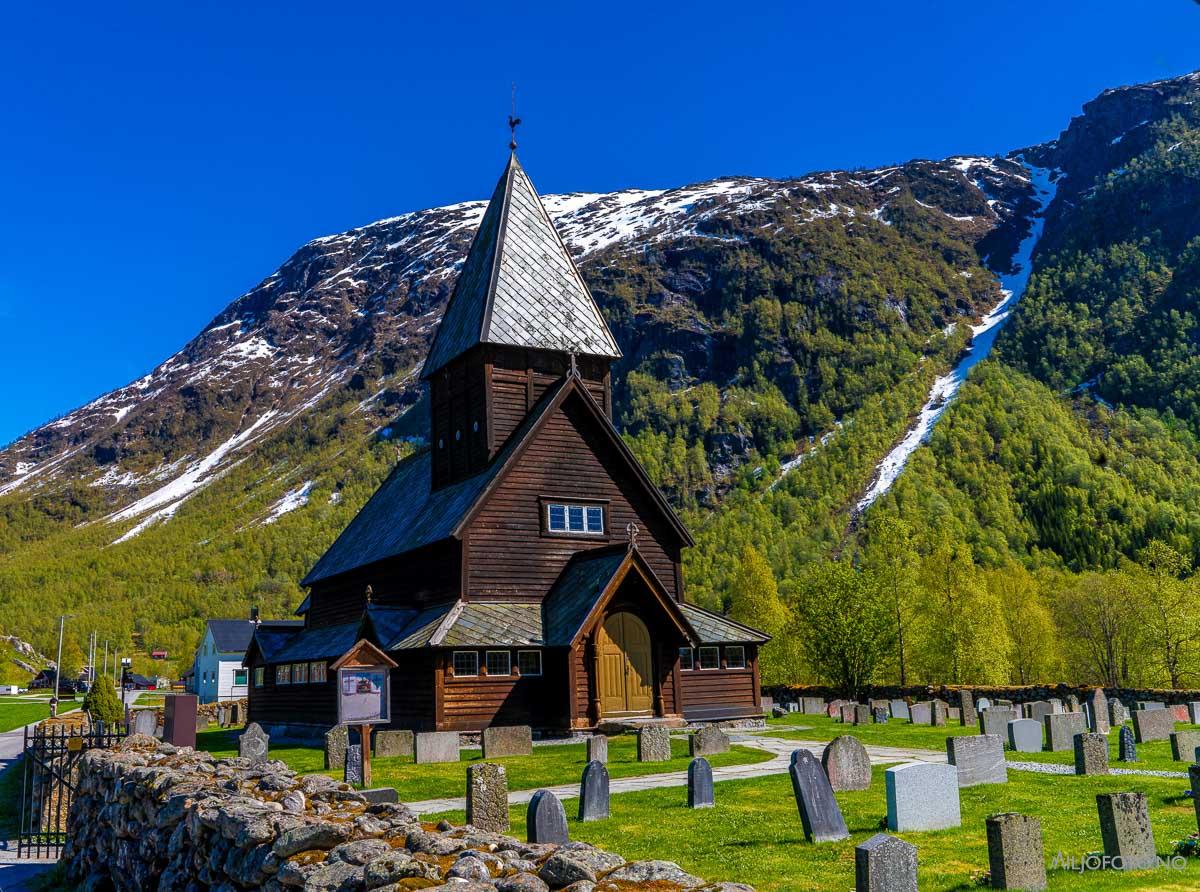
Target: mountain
[{"x": 788, "y": 344}]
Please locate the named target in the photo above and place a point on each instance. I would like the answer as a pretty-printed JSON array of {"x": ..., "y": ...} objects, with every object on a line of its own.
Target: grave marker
[
  {"x": 978, "y": 759},
  {"x": 862, "y": 715},
  {"x": 597, "y": 749},
  {"x": 1183, "y": 745},
  {"x": 1038, "y": 710},
  {"x": 1194, "y": 780},
  {"x": 922, "y": 796},
  {"x": 1125, "y": 829},
  {"x": 546, "y": 820},
  {"x": 995, "y": 719},
  {"x": 1098, "y": 711},
  {"x": 1126, "y": 746},
  {"x": 337, "y": 739},
  {"x": 435, "y": 746},
  {"x": 848, "y": 713},
  {"x": 885, "y": 864},
  {"x": 1153, "y": 724},
  {"x": 920, "y": 713},
  {"x": 966, "y": 705},
  {"x": 708, "y": 741},
  {"x": 352, "y": 771},
  {"x": 1194, "y": 712},
  {"x": 145, "y": 721},
  {"x": 511, "y": 740},
  {"x": 487, "y": 797},
  {"x": 700, "y": 784},
  {"x": 939, "y": 714},
  {"x": 1016, "y": 856},
  {"x": 819, "y": 811},
  {"x": 880, "y": 715},
  {"x": 393, "y": 743},
  {"x": 1061, "y": 730},
  {"x": 1025, "y": 736},
  {"x": 845, "y": 763},
  {"x": 593, "y": 792},
  {"x": 653, "y": 744},
  {"x": 899, "y": 709},
  {"x": 179, "y": 719},
  {"x": 1181, "y": 712},
  {"x": 982, "y": 703},
  {"x": 1091, "y": 753},
  {"x": 1117, "y": 713},
  {"x": 813, "y": 705},
  {"x": 254, "y": 743}
]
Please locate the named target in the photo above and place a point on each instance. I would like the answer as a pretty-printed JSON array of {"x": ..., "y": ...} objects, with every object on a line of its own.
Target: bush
[{"x": 102, "y": 703}]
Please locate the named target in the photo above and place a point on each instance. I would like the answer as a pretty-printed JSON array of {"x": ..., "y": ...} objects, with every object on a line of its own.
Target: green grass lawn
[
  {"x": 895, "y": 733},
  {"x": 754, "y": 834},
  {"x": 15, "y": 713},
  {"x": 548, "y": 766}
]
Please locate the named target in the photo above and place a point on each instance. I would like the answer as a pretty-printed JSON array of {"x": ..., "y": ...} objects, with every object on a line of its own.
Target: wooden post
[{"x": 365, "y": 733}]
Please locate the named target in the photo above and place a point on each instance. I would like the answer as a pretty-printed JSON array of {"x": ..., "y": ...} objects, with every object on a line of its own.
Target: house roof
[
  {"x": 519, "y": 285},
  {"x": 576, "y": 591},
  {"x": 299, "y": 645},
  {"x": 712, "y": 628},
  {"x": 233, "y": 635}
]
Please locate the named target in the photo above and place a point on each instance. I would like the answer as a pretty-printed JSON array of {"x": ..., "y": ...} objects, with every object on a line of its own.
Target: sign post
[{"x": 364, "y": 694}]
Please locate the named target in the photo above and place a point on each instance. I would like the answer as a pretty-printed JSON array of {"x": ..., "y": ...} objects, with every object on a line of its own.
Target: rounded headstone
[
  {"x": 593, "y": 792},
  {"x": 700, "y": 784},
  {"x": 546, "y": 820},
  {"x": 846, "y": 764}
]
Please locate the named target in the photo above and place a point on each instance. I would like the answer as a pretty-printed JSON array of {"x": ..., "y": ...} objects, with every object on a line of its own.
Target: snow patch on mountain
[{"x": 293, "y": 499}]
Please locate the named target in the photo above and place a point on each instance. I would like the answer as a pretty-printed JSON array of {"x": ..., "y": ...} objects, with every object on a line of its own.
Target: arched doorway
[{"x": 625, "y": 680}]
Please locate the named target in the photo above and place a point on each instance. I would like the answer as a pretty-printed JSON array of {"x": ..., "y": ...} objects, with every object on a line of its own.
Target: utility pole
[
  {"x": 106, "y": 657},
  {"x": 62, "y": 621}
]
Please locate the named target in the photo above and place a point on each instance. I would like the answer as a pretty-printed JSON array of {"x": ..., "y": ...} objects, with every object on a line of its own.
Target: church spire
[{"x": 519, "y": 286}]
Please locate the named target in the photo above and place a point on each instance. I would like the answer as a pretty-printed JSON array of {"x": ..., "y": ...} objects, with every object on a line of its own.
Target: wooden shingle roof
[{"x": 519, "y": 286}]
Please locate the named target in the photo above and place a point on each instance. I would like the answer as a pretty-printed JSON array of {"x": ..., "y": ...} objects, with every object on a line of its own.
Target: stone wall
[
  {"x": 150, "y": 816},
  {"x": 1017, "y": 693}
]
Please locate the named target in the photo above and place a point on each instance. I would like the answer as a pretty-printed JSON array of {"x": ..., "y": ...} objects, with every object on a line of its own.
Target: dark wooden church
[{"x": 522, "y": 569}]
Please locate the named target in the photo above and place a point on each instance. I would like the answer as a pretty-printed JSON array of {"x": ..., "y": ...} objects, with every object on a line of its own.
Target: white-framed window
[
  {"x": 316, "y": 672},
  {"x": 283, "y": 673},
  {"x": 259, "y": 676},
  {"x": 300, "y": 673},
  {"x": 710, "y": 657},
  {"x": 735, "y": 657},
  {"x": 583, "y": 520},
  {"x": 466, "y": 663},
  {"x": 499, "y": 662},
  {"x": 239, "y": 676},
  {"x": 529, "y": 662},
  {"x": 686, "y": 659}
]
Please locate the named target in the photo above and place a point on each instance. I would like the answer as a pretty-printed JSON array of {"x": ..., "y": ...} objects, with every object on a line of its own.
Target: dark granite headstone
[
  {"x": 1015, "y": 852},
  {"x": 593, "y": 792},
  {"x": 885, "y": 864},
  {"x": 1125, "y": 829},
  {"x": 546, "y": 820},
  {"x": 1126, "y": 745},
  {"x": 819, "y": 811},
  {"x": 179, "y": 719},
  {"x": 254, "y": 743},
  {"x": 700, "y": 784},
  {"x": 352, "y": 771},
  {"x": 939, "y": 713},
  {"x": 1194, "y": 779}
]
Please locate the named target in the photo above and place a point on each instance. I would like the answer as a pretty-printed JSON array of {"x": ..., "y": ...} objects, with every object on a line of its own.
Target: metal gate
[{"x": 48, "y": 783}]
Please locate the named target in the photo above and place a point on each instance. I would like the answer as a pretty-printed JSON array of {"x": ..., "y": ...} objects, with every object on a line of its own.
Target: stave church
[{"x": 522, "y": 568}]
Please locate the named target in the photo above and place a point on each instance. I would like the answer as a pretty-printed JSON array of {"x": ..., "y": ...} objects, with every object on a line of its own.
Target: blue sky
[{"x": 158, "y": 160}]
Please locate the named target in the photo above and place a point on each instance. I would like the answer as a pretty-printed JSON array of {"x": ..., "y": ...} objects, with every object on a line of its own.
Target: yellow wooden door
[{"x": 625, "y": 675}]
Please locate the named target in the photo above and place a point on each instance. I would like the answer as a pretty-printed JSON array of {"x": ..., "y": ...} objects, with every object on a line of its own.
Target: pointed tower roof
[{"x": 519, "y": 286}]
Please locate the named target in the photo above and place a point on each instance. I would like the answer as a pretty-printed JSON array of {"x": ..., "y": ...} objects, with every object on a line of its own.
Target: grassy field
[
  {"x": 17, "y": 712},
  {"x": 548, "y": 766},
  {"x": 754, "y": 834}
]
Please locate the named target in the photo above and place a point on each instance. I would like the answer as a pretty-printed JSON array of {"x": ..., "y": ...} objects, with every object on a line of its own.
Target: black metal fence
[{"x": 48, "y": 784}]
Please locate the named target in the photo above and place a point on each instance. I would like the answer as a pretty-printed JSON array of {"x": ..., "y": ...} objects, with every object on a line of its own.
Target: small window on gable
[
  {"x": 735, "y": 657},
  {"x": 499, "y": 662},
  {"x": 283, "y": 673},
  {"x": 584, "y": 520},
  {"x": 466, "y": 663},
  {"x": 529, "y": 662},
  {"x": 316, "y": 672},
  {"x": 259, "y": 676},
  {"x": 685, "y": 658},
  {"x": 710, "y": 658}
]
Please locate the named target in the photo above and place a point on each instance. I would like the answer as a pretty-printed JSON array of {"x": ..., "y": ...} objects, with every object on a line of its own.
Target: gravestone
[
  {"x": 848, "y": 713},
  {"x": 920, "y": 713},
  {"x": 880, "y": 715},
  {"x": 819, "y": 811},
  {"x": 511, "y": 740},
  {"x": 337, "y": 739},
  {"x": 222, "y": 716},
  {"x": 1183, "y": 745},
  {"x": 546, "y": 820},
  {"x": 1025, "y": 736},
  {"x": 179, "y": 720},
  {"x": 899, "y": 709},
  {"x": 922, "y": 796},
  {"x": 982, "y": 703},
  {"x": 1181, "y": 712},
  {"x": 1006, "y": 704},
  {"x": 966, "y": 705},
  {"x": 813, "y": 705},
  {"x": 1153, "y": 724},
  {"x": 995, "y": 719},
  {"x": 235, "y": 713},
  {"x": 1151, "y": 704},
  {"x": 1098, "y": 711},
  {"x": 1126, "y": 747},
  {"x": 766, "y": 704},
  {"x": 654, "y": 744},
  {"x": 1194, "y": 780},
  {"x": 700, "y": 784},
  {"x": 1056, "y": 705},
  {"x": 487, "y": 797},
  {"x": 597, "y": 749},
  {"x": 954, "y": 714},
  {"x": 1072, "y": 703},
  {"x": 978, "y": 759},
  {"x": 1091, "y": 753},
  {"x": 708, "y": 741},
  {"x": 593, "y": 792},
  {"x": 1061, "y": 730},
  {"x": 202, "y": 721},
  {"x": 377, "y": 795},
  {"x": 393, "y": 743},
  {"x": 1117, "y": 714},
  {"x": 352, "y": 771},
  {"x": 1038, "y": 710},
  {"x": 1016, "y": 856},
  {"x": 846, "y": 764},
  {"x": 885, "y": 864},
  {"x": 939, "y": 713},
  {"x": 862, "y": 715},
  {"x": 792, "y": 707},
  {"x": 1125, "y": 829},
  {"x": 834, "y": 709},
  {"x": 435, "y": 746},
  {"x": 254, "y": 743},
  {"x": 145, "y": 721},
  {"x": 1194, "y": 712}
]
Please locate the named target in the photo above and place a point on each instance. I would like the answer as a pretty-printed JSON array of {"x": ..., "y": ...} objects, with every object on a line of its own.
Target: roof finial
[
  {"x": 513, "y": 120},
  {"x": 370, "y": 594},
  {"x": 632, "y": 531},
  {"x": 573, "y": 370}
]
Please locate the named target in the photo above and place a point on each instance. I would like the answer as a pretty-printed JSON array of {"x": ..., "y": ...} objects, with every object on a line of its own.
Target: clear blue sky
[{"x": 158, "y": 160}]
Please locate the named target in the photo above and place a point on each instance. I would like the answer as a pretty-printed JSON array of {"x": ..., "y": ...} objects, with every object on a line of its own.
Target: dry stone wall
[
  {"x": 1130, "y": 697},
  {"x": 148, "y": 815}
]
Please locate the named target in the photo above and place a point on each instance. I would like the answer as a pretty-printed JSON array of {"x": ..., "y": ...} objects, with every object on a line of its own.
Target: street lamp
[{"x": 62, "y": 621}]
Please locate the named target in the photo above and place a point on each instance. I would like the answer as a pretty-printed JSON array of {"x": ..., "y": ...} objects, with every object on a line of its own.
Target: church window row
[
  {"x": 707, "y": 658},
  {"x": 575, "y": 519},
  {"x": 293, "y": 673},
  {"x": 466, "y": 663}
]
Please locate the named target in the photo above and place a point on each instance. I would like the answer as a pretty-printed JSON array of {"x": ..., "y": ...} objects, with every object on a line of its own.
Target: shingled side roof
[{"x": 519, "y": 286}]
